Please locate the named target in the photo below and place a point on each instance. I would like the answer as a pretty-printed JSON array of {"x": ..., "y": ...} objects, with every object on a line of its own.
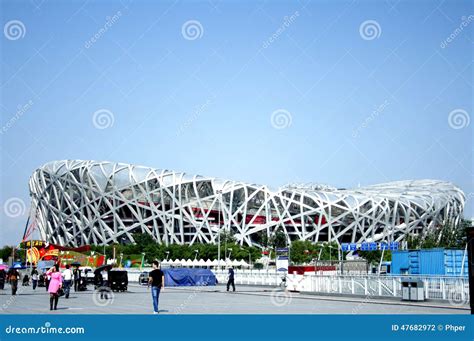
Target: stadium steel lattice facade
[{"x": 89, "y": 202}]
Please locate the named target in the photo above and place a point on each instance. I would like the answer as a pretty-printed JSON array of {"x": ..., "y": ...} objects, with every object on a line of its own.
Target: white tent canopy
[
  {"x": 210, "y": 263},
  {"x": 243, "y": 263}
]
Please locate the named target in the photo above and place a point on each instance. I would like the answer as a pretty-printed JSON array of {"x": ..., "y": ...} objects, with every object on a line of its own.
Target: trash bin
[
  {"x": 405, "y": 290},
  {"x": 413, "y": 290}
]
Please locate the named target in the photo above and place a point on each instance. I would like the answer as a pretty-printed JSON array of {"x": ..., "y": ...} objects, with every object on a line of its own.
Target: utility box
[{"x": 413, "y": 290}]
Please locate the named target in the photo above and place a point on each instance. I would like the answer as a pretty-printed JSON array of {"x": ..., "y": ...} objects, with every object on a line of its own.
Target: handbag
[{"x": 61, "y": 292}]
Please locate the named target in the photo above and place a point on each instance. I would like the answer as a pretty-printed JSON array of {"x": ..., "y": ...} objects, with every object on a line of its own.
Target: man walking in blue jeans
[
  {"x": 67, "y": 276},
  {"x": 156, "y": 279}
]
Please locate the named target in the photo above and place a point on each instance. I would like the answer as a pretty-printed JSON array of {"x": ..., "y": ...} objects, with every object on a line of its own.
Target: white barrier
[{"x": 455, "y": 289}]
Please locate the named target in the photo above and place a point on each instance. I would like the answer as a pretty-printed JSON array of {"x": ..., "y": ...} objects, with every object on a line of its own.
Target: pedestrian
[
  {"x": 101, "y": 285},
  {"x": 47, "y": 278},
  {"x": 231, "y": 279},
  {"x": 157, "y": 281},
  {"x": 13, "y": 278},
  {"x": 55, "y": 284},
  {"x": 26, "y": 280},
  {"x": 2, "y": 279},
  {"x": 34, "y": 277},
  {"x": 77, "y": 277},
  {"x": 67, "y": 276}
]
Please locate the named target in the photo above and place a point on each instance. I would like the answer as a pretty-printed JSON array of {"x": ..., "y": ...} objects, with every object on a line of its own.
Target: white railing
[{"x": 455, "y": 289}]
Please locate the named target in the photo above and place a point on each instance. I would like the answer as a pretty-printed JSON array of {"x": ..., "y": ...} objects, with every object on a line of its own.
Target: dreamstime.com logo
[
  {"x": 103, "y": 119},
  {"x": 14, "y": 207},
  {"x": 198, "y": 289},
  {"x": 458, "y": 119},
  {"x": 281, "y": 119},
  {"x": 465, "y": 21},
  {"x": 280, "y": 298},
  {"x": 46, "y": 329},
  {"x": 192, "y": 30},
  {"x": 370, "y": 30},
  {"x": 457, "y": 296},
  {"x": 21, "y": 110},
  {"x": 103, "y": 296},
  {"x": 287, "y": 21},
  {"x": 14, "y": 30},
  {"x": 109, "y": 22}
]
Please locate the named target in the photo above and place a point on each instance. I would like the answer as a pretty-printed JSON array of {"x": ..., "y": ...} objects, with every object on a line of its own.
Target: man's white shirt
[{"x": 67, "y": 274}]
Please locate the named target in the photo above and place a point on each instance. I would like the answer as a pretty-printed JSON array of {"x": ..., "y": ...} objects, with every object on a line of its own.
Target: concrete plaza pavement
[{"x": 212, "y": 300}]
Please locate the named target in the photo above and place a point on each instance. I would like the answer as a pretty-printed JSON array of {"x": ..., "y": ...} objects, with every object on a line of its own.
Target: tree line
[{"x": 301, "y": 252}]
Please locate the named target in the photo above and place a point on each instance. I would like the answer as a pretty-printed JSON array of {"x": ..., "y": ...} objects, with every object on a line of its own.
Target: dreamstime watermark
[
  {"x": 370, "y": 30},
  {"x": 195, "y": 115},
  {"x": 192, "y": 30},
  {"x": 21, "y": 110},
  {"x": 109, "y": 22},
  {"x": 14, "y": 207},
  {"x": 12, "y": 299},
  {"x": 457, "y": 296},
  {"x": 362, "y": 304},
  {"x": 458, "y": 119},
  {"x": 103, "y": 119},
  {"x": 46, "y": 329},
  {"x": 371, "y": 298},
  {"x": 197, "y": 289},
  {"x": 375, "y": 113},
  {"x": 280, "y": 297},
  {"x": 465, "y": 21},
  {"x": 14, "y": 30},
  {"x": 281, "y": 119},
  {"x": 287, "y": 21},
  {"x": 103, "y": 296}
]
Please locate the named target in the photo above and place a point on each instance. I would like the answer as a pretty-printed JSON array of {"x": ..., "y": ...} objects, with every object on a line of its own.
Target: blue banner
[{"x": 394, "y": 245}]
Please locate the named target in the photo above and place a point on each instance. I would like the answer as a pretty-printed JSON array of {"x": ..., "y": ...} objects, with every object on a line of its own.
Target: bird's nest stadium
[{"x": 89, "y": 202}]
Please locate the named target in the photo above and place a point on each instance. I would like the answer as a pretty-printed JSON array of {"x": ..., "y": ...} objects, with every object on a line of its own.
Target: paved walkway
[{"x": 212, "y": 300}]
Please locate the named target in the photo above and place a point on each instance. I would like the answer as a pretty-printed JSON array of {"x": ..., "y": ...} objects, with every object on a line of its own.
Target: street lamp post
[
  {"x": 195, "y": 255},
  {"x": 143, "y": 260},
  {"x": 250, "y": 260},
  {"x": 219, "y": 232}
]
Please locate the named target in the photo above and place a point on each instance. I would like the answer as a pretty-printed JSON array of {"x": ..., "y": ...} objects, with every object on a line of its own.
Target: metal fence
[{"x": 454, "y": 289}]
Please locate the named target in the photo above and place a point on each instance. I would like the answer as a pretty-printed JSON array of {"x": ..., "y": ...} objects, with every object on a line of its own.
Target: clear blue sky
[{"x": 204, "y": 105}]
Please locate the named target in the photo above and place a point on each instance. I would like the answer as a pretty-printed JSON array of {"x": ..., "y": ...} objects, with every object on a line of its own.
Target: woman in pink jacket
[{"x": 54, "y": 285}]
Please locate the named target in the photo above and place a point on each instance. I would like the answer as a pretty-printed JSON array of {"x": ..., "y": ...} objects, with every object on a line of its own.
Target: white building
[{"x": 89, "y": 202}]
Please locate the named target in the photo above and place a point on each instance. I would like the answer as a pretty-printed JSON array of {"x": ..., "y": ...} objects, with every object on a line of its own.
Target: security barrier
[{"x": 454, "y": 289}]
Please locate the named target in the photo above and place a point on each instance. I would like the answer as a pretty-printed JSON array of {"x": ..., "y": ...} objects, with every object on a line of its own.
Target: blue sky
[{"x": 369, "y": 91}]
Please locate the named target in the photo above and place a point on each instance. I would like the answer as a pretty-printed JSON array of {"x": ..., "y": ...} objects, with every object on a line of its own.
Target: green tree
[
  {"x": 447, "y": 235},
  {"x": 278, "y": 239},
  {"x": 302, "y": 251},
  {"x": 373, "y": 257},
  {"x": 6, "y": 252}
]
